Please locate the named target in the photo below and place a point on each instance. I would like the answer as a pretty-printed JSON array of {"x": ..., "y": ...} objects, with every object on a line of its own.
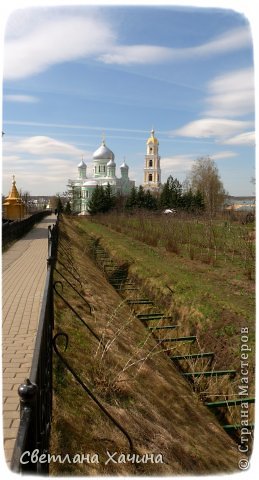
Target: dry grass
[
  {"x": 214, "y": 242},
  {"x": 138, "y": 385}
]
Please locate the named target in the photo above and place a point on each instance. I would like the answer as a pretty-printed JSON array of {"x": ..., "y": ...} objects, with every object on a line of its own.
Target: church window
[
  {"x": 151, "y": 163},
  {"x": 151, "y": 150},
  {"x": 150, "y": 177},
  {"x": 99, "y": 169}
]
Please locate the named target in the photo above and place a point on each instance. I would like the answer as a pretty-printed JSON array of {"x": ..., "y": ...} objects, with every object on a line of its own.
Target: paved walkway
[{"x": 24, "y": 275}]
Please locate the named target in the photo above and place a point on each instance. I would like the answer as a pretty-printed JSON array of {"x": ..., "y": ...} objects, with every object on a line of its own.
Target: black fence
[
  {"x": 11, "y": 231},
  {"x": 32, "y": 441}
]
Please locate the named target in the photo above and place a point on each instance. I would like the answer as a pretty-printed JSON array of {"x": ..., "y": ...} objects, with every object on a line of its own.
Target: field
[
  {"x": 208, "y": 266},
  {"x": 202, "y": 274}
]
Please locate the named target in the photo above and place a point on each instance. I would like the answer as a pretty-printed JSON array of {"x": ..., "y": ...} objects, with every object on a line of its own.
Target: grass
[
  {"x": 193, "y": 281},
  {"x": 138, "y": 385},
  {"x": 214, "y": 242},
  {"x": 211, "y": 301}
]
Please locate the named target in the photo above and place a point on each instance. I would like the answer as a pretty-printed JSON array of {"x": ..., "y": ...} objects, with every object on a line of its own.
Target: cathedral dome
[
  {"x": 81, "y": 164},
  {"x": 103, "y": 152},
  {"x": 124, "y": 165},
  {"x": 111, "y": 163}
]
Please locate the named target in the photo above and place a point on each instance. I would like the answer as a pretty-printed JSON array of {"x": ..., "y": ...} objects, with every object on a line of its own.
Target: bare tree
[
  {"x": 25, "y": 196},
  {"x": 205, "y": 178}
]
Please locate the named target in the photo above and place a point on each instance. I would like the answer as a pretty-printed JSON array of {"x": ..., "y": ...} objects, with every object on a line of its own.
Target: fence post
[{"x": 28, "y": 399}]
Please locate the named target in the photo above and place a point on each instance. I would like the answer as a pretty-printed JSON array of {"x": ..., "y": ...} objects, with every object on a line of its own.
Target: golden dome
[{"x": 152, "y": 139}]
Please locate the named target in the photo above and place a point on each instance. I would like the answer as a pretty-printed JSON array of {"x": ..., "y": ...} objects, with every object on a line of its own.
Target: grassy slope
[
  {"x": 151, "y": 400},
  {"x": 211, "y": 301}
]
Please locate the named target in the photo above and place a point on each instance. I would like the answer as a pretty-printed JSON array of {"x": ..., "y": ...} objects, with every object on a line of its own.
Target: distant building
[
  {"x": 104, "y": 173},
  {"x": 13, "y": 206},
  {"x": 152, "y": 170}
]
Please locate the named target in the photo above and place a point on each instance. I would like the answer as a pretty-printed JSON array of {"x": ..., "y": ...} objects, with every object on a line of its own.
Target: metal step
[
  {"x": 229, "y": 403},
  {"x": 163, "y": 328},
  {"x": 213, "y": 373},
  {"x": 140, "y": 301},
  {"x": 151, "y": 316},
  {"x": 238, "y": 426},
  {"x": 121, "y": 278},
  {"x": 127, "y": 288},
  {"x": 180, "y": 339},
  {"x": 192, "y": 356}
]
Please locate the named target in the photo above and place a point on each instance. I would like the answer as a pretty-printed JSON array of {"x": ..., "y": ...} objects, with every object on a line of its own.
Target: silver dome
[
  {"x": 81, "y": 164},
  {"x": 103, "y": 152},
  {"x": 124, "y": 165},
  {"x": 111, "y": 163}
]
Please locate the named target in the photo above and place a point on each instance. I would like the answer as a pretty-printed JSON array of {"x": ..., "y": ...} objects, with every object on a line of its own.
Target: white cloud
[
  {"x": 220, "y": 128},
  {"x": 100, "y": 128},
  {"x": 233, "y": 81},
  {"x": 177, "y": 162},
  {"x": 39, "y": 176},
  {"x": 245, "y": 139},
  {"x": 11, "y": 158},
  {"x": 136, "y": 54},
  {"x": 20, "y": 98},
  {"x": 42, "y": 146},
  {"x": 41, "y": 163},
  {"x": 62, "y": 38},
  {"x": 228, "y": 41},
  {"x": 31, "y": 181},
  {"x": 55, "y": 41},
  {"x": 231, "y": 94},
  {"x": 139, "y": 54},
  {"x": 224, "y": 154}
]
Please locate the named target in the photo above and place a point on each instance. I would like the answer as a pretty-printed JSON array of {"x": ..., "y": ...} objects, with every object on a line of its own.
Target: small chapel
[{"x": 13, "y": 206}]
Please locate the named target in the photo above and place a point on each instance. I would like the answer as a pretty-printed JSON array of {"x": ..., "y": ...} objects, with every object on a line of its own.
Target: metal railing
[
  {"x": 36, "y": 392},
  {"x": 11, "y": 231}
]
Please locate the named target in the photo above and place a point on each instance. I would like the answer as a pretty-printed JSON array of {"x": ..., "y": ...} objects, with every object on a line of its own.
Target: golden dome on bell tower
[{"x": 152, "y": 139}]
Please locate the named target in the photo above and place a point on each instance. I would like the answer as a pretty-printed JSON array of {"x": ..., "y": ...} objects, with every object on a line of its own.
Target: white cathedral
[{"x": 104, "y": 173}]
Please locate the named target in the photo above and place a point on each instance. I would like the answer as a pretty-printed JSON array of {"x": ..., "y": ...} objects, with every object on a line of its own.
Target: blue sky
[{"x": 74, "y": 73}]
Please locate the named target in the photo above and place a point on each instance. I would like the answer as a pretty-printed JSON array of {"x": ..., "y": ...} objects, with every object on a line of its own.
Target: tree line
[{"x": 203, "y": 190}]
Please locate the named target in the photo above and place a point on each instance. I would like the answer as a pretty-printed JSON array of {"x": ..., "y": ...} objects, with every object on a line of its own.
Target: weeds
[{"x": 210, "y": 241}]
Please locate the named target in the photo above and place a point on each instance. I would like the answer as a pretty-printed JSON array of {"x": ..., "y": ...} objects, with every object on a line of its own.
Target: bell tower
[{"x": 152, "y": 171}]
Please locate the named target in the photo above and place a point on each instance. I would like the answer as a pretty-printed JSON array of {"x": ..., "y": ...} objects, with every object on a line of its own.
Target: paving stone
[
  {"x": 8, "y": 422},
  {"x": 23, "y": 281},
  {"x": 12, "y": 415},
  {"x": 8, "y": 443}
]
